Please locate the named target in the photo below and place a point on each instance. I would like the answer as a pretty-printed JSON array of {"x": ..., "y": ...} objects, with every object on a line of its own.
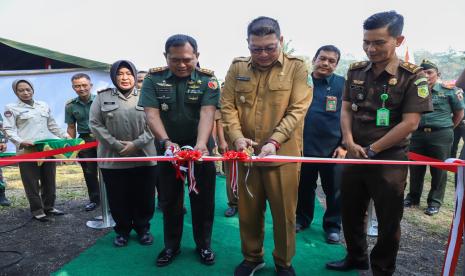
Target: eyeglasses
[{"x": 268, "y": 49}]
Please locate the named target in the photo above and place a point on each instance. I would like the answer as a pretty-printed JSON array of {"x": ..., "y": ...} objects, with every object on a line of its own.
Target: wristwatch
[
  {"x": 371, "y": 153},
  {"x": 163, "y": 142}
]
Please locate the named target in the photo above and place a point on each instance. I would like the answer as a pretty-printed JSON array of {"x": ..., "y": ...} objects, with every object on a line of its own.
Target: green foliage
[{"x": 450, "y": 63}]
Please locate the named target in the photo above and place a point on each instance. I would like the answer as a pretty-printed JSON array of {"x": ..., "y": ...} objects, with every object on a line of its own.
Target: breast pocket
[
  {"x": 244, "y": 93},
  {"x": 395, "y": 98},
  {"x": 280, "y": 92},
  {"x": 108, "y": 109},
  {"x": 193, "y": 97},
  {"x": 24, "y": 117}
]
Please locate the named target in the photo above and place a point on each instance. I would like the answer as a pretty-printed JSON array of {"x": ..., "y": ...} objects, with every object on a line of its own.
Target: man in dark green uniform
[
  {"x": 434, "y": 138},
  {"x": 3, "y": 200},
  {"x": 77, "y": 113},
  {"x": 180, "y": 101},
  {"x": 382, "y": 104}
]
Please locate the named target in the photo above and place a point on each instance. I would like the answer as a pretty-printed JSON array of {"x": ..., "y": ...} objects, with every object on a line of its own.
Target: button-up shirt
[
  {"x": 77, "y": 112},
  {"x": 445, "y": 102},
  {"x": 322, "y": 128},
  {"x": 24, "y": 122},
  {"x": 115, "y": 118},
  {"x": 269, "y": 104}
]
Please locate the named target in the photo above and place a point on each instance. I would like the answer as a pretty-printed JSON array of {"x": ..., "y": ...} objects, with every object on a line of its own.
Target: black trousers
[
  {"x": 171, "y": 192},
  {"x": 90, "y": 171},
  {"x": 459, "y": 133},
  {"x": 131, "y": 196},
  {"x": 330, "y": 182},
  {"x": 385, "y": 184}
]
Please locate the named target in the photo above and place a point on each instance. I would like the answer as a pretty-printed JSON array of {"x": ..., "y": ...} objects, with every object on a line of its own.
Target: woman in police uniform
[{"x": 119, "y": 125}]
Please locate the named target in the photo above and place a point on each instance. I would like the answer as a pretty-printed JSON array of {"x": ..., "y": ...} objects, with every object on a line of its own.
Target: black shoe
[
  {"x": 346, "y": 265},
  {"x": 166, "y": 256},
  {"x": 432, "y": 210},
  {"x": 146, "y": 238},
  {"x": 300, "y": 227},
  {"x": 120, "y": 241},
  {"x": 247, "y": 268},
  {"x": 285, "y": 271},
  {"x": 41, "y": 218},
  {"x": 333, "y": 238},
  {"x": 230, "y": 212},
  {"x": 410, "y": 203},
  {"x": 91, "y": 206},
  {"x": 54, "y": 212},
  {"x": 3, "y": 200},
  {"x": 207, "y": 256}
]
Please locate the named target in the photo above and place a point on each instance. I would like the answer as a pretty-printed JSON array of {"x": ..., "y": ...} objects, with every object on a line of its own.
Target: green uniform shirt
[
  {"x": 77, "y": 111},
  {"x": 445, "y": 102},
  {"x": 179, "y": 99}
]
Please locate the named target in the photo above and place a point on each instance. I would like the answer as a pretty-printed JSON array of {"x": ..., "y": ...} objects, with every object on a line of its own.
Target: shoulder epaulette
[
  {"x": 104, "y": 90},
  {"x": 206, "y": 71},
  {"x": 358, "y": 65},
  {"x": 241, "y": 59},
  {"x": 294, "y": 57},
  {"x": 412, "y": 68},
  {"x": 69, "y": 101},
  {"x": 157, "y": 69},
  {"x": 449, "y": 86}
]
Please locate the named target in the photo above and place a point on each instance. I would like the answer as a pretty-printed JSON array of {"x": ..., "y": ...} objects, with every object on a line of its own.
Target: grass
[
  {"x": 437, "y": 224},
  {"x": 70, "y": 185}
]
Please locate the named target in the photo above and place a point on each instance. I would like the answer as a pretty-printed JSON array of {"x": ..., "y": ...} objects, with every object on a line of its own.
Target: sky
[{"x": 137, "y": 30}]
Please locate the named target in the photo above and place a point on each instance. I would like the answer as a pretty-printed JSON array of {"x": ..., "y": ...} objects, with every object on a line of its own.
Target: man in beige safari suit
[{"x": 264, "y": 102}]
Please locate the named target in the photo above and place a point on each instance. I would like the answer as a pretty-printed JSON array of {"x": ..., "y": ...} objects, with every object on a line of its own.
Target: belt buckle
[{"x": 427, "y": 129}]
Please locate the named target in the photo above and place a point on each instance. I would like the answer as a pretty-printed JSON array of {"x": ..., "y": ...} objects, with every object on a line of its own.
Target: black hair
[
  {"x": 142, "y": 72},
  {"x": 179, "y": 40},
  {"x": 391, "y": 19},
  {"x": 262, "y": 26},
  {"x": 328, "y": 48},
  {"x": 80, "y": 76}
]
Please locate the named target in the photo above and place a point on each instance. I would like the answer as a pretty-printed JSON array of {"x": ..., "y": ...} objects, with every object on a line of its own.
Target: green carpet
[{"x": 104, "y": 259}]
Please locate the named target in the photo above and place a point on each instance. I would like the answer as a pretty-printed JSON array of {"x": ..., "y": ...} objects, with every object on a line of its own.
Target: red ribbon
[
  {"x": 235, "y": 156},
  {"x": 188, "y": 156},
  {"x": 47, "y": 153}
]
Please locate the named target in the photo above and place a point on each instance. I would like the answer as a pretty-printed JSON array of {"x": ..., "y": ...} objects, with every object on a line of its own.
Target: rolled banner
[
  {"x": 52, "y": 144},
  {"x": 7, "y": 154}
]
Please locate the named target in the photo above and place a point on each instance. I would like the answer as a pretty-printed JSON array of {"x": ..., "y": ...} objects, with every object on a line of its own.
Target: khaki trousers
[{"x": 278, "y": 185}]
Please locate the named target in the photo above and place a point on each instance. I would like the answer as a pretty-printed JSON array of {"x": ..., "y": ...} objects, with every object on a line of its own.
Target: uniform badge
[
  {"x": 354, "y": 107},
  {"x": 360, "y": 96},
  {"x": 164, "y": 84},
  {"x": 393, "y": 81},
  {"x": 242, "y": 99},
  {"x": 8, "y": 114},
  {"x": 164, "y": 107},
  {"x": 243, "y": 78},
  {"x": 423, "y": 91},
  {"x": 420, "y": 80},
  {"x": 358, "y": 82},
  {"x": 213, "y": 84},
  {"x": 331, "y": 103},
  {"x": 459, "y": 94}
]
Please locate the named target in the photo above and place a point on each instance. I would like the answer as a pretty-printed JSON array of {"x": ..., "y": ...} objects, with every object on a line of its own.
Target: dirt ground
[{"x": 45, "y": 247}]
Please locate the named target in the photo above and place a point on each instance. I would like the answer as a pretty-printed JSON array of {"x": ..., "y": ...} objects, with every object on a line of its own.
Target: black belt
[{"x": 431, "y": 129}]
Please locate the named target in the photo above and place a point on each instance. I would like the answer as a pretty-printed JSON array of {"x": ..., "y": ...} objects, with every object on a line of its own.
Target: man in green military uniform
[
  {"x": 180, "y": 101},
  {"x": 3, "y": 200},
  {"x": 434, "y": 138},
  {"x": 77, "y": 114}
]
